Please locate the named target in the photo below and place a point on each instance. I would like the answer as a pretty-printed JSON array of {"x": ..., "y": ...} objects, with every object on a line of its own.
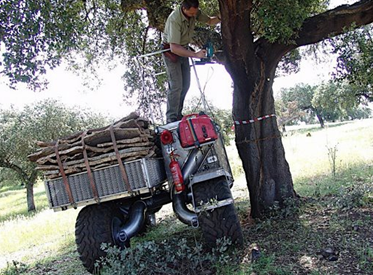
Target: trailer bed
[{"x": 143, "y": 175}]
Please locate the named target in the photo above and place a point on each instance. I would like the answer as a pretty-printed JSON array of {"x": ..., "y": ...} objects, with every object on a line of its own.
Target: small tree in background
[
  {"x": 302, "y": 94},
  {"x": 288, "y": 112},
  {"x": 334, "y": 100},
  {"x": 45, "y": 121}
]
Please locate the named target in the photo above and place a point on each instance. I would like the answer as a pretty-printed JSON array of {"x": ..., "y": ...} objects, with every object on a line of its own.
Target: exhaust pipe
[
  {"x": 134, "y": 224},
  {"x": 137, "y": 216},
  {"x": 182, "y": 212},
  {"x": 194, "y": 161}
]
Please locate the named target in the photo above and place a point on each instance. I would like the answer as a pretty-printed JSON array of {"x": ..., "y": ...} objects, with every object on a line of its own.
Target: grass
[
  {"x": 308, "y": 156},
  {"x": 34, "y": 239},
  {"x": 15, "y": 196},
  {"x": 336, "y": 213}
]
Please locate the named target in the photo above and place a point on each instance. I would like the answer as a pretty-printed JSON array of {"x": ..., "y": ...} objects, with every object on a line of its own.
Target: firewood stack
[{"x": 127, "y": 139}]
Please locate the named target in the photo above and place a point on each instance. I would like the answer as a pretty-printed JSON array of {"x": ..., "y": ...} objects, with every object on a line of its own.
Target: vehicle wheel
[
  {"x": 219, "y": 222},
  {"x": 97, "y": 224}
]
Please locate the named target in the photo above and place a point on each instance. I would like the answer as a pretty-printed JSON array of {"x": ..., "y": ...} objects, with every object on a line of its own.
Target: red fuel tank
[{"x": 196, "y": 129}]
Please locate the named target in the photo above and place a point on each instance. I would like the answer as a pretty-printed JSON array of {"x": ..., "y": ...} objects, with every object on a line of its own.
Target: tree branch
[
  {"x": 131, "y": 5},
  {"x": 334, "y": 22},
  {"x": 157, "y": 11},
  {"x": 317, "y": 28},
  {"x": 15, "y": 168}
]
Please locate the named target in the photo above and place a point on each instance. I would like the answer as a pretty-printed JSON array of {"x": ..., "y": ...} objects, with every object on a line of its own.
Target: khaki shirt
[{"x": 179, "y": 29}]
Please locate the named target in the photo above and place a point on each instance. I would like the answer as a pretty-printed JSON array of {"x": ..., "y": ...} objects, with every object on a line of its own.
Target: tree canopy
[
  {"x": 36, "y": 36},
  {"x": 355, "y": 60},
  {"x": 254, "y": 36}
]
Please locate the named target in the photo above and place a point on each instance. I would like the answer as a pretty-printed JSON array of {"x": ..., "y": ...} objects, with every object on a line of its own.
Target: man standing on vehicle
[{"x": 177, "y": 35}]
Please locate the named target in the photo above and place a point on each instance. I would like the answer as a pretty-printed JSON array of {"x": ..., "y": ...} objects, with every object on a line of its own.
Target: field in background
[
  {"x": 311, "y": 152},
  {"x": 308, "y": 150},
  {"x": 44, "y": 242}
]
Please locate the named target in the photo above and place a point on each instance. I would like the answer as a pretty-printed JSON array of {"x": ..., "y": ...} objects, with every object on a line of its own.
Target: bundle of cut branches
[{"x": 129, "y": 138}]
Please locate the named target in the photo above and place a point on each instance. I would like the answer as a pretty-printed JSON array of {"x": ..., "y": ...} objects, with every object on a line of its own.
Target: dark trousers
[{"x": 178, "y": 74}]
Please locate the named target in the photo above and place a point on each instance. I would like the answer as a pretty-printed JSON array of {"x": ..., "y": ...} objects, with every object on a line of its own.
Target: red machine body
[{"x": 196, "y": 129}]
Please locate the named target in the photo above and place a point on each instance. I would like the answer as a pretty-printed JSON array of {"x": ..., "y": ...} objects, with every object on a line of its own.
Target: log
[
  {"x": 74, "y": 137},
  {"x": 104, "y": 136},
  {"x": 64, "y": 148},
  {"x": 133, "y": 137},
  {"x": 76, "y": 152},
  {"x": 128, "y": 152},
  {"x": 119, "y": 145},
  {"x": 100, "y": 162},
  {"x": 141, "y": 138},
  {"x": 46, "y": 151}
]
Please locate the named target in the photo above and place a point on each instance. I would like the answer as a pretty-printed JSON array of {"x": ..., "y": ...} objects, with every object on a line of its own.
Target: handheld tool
[{"x": 209, "y": 54}]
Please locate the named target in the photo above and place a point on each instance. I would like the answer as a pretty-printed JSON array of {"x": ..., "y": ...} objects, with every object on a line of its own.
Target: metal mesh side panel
[
  {"x": 135, "y": 174},
  {"x": 108, "y": 181},
  {"x": 156, "y": 171},
  {"x": 80, "y": 187},
  {"x": 57, "y": 193}
]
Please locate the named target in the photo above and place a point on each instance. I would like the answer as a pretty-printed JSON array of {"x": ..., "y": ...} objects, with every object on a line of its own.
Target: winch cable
[
  {"x": 199, "y": 86},
  {"x": 209, "y": 76}
]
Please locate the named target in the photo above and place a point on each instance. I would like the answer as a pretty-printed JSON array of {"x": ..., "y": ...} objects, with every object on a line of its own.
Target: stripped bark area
[{"x": 133, "y": 139}]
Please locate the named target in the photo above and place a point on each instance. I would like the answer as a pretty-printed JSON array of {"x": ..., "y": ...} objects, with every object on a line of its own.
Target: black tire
[
  {"x": 95, "y": 225},
  {"x": 219, "y": 222}
]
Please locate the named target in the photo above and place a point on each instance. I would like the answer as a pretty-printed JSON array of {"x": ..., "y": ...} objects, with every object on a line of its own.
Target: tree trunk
[
  {"x": 259, "y": 144},
  {"x": 30, "y": 197},
  {"x": 319, "y": 117}
]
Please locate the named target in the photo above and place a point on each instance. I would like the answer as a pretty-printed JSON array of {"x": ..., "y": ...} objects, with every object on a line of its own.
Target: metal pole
[
  {"x": 199, "y": 86},
  {"x": 143, "y": 87},
  {"x": 137, "y": 60},
  {"x": 153, "y": 53}
]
